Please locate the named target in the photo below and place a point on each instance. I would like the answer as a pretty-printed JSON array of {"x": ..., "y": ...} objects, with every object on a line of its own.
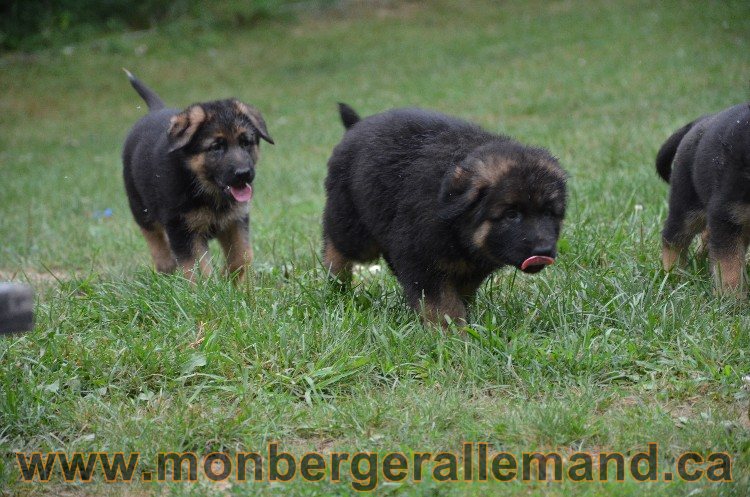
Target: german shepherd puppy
[
  {"x": 707, "y": 164},
  {"x": 443, "y": 201},
  {"x": 189, "y": 175}
]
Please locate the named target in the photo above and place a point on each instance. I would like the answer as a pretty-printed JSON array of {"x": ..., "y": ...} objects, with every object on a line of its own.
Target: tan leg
[
  {"x": 158, "y": 244},
  {"x": 237, "y": 250},
  {"x": 729, "y": 269},
  {"x": 679, "y": 231},
  {"x": 199, "y": 258},
  {"x": 336, "y": 263},
  {"x": 447, "y": 303},
  {"x": 670, "y": 256}
]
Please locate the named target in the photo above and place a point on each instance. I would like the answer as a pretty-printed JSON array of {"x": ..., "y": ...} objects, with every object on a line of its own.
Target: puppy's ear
[
  {"x": 183, "y": 126},
  {"x": 458, "y": 192},
  {"x": 255, "y": 118}
]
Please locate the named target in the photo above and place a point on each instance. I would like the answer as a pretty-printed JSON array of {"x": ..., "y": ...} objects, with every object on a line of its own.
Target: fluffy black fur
[
  {"x": 179, "y": 168},
  {"x": 443, "y": 201},
  {"x": 707, "y": 163}
]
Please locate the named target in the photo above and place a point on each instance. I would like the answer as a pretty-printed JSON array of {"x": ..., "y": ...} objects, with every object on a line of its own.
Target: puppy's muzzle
[
  {"x": 240, "y": 184},
  {"x": 542, "y": 256},
  {"x": 243, "y": 177}
]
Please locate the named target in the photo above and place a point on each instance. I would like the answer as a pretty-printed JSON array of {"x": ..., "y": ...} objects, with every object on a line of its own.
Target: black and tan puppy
[
  {"x": 443, "y": 201},
  {"x": 188, "y": 176},
  {"x": 707, "y": 163}
]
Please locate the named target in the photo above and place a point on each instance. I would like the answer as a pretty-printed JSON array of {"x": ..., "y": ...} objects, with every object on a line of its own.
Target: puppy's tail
[
  {"x": 147, "y": 94},
  {"x": 348, "y": 115},
  {"x": 667, "y": 151}
]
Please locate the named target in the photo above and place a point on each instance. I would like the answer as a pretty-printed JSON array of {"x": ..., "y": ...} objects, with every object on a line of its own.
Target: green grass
[{"x": 602, "y": 352}]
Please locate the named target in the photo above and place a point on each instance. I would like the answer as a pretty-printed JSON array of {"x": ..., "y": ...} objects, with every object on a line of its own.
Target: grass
[{"x": 602, "y": 352}]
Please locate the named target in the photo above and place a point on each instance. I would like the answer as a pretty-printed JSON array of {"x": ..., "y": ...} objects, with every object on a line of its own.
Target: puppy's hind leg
[
  {"x": 345, "y": 237},
  {"x": 158, "y": 244},
  {"x": 686, "y": 218},
  {"x": 335, "y": 263},
  {"x": 679, "y": 230},
  {"x": 727, "y": 247}
]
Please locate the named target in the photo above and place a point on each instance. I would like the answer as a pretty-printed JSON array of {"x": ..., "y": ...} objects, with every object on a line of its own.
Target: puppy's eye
[
  {"x": 244, "y": 141},
  {"x": 217, "y": 145},
  {"x": 512, "y": 215}
]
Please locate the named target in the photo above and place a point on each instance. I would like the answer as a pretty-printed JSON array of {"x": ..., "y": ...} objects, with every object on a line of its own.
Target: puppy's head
[
  {"x": 506, "y": 203},
  {"x": 219, "y": 143}
]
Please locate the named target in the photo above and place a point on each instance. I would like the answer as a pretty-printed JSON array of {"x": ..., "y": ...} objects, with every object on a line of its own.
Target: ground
[{"x": 601, "y": 352}]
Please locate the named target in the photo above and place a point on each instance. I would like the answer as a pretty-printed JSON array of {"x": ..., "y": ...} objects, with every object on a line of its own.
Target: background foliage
[{"x": 32, "y": 24}]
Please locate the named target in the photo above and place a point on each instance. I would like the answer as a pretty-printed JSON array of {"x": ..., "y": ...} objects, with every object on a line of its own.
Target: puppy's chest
[{"x": 208, "y": 221}]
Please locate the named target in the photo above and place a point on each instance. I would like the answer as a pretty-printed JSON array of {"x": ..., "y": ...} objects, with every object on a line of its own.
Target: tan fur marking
[
  {"x": 446, "y": 303},
  {"x": 254, "y": 116},
  {"x": 242, "y": 108},
  {"x": 237, "y": 249},
  {"x": 184, "y": 125},
  {"x": 335, "y": 262},
  {"x": 158, "y": 244},
  {"x": 480, "y": 235},
  {"x": 178, "y": 121},
  {"x": 197, "y": 116},
  {"x": 670, "y": 256},
  {"x": 205, "y": 219},
  {"x": 729, "y": 271},
  {"x": 199, "y": 220},
  {"x": 197, "y": 164},
  {"x": 491, "y": 170}
]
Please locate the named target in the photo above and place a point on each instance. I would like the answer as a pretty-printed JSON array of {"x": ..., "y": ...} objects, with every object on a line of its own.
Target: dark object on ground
[
  {"x": 16, "y": 308},
  {"x": 443, "y": 201},
  {"x": 707, "y": 164},
  {"x": 188, "y": 175}
]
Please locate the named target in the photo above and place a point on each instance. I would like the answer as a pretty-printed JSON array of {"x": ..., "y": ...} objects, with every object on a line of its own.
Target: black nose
[
  {"x": 545, "y": 249},
  {"x": 243, "y": 176}
]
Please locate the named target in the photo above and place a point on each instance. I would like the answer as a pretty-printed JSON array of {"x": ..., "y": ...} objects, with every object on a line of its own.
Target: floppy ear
[
  {"x": 184, "y": 125},
  {"x": 255, "y": 118},
  {"x": 458, "y": 192}
]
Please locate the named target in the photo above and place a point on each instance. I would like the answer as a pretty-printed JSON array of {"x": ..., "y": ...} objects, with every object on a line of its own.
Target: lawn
[{"x": 602, "y": 352}]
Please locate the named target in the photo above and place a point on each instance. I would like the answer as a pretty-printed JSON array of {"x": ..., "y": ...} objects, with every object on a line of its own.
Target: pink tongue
[
  {"x": 537, "y": 260},
  {"x": 241, "y": 194}
]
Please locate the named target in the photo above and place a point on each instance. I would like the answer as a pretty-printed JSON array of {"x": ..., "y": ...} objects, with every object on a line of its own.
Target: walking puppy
[
  {"x": 188, "y": 176},
  {"x": 707, "y": 163},
  {"x": 443, "y": 201}
]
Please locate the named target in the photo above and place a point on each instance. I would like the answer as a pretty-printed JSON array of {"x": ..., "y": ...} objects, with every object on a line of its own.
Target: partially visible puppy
[
  {"x": 188, "y": 176},
  {"x": 443, "y": 201},
  {"x": 707, "y": 163}
]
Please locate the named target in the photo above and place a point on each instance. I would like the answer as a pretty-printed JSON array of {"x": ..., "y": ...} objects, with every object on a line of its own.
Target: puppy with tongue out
[
  {"x": 443, "y": 201},
  {"x": 189, "y": 178}
]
